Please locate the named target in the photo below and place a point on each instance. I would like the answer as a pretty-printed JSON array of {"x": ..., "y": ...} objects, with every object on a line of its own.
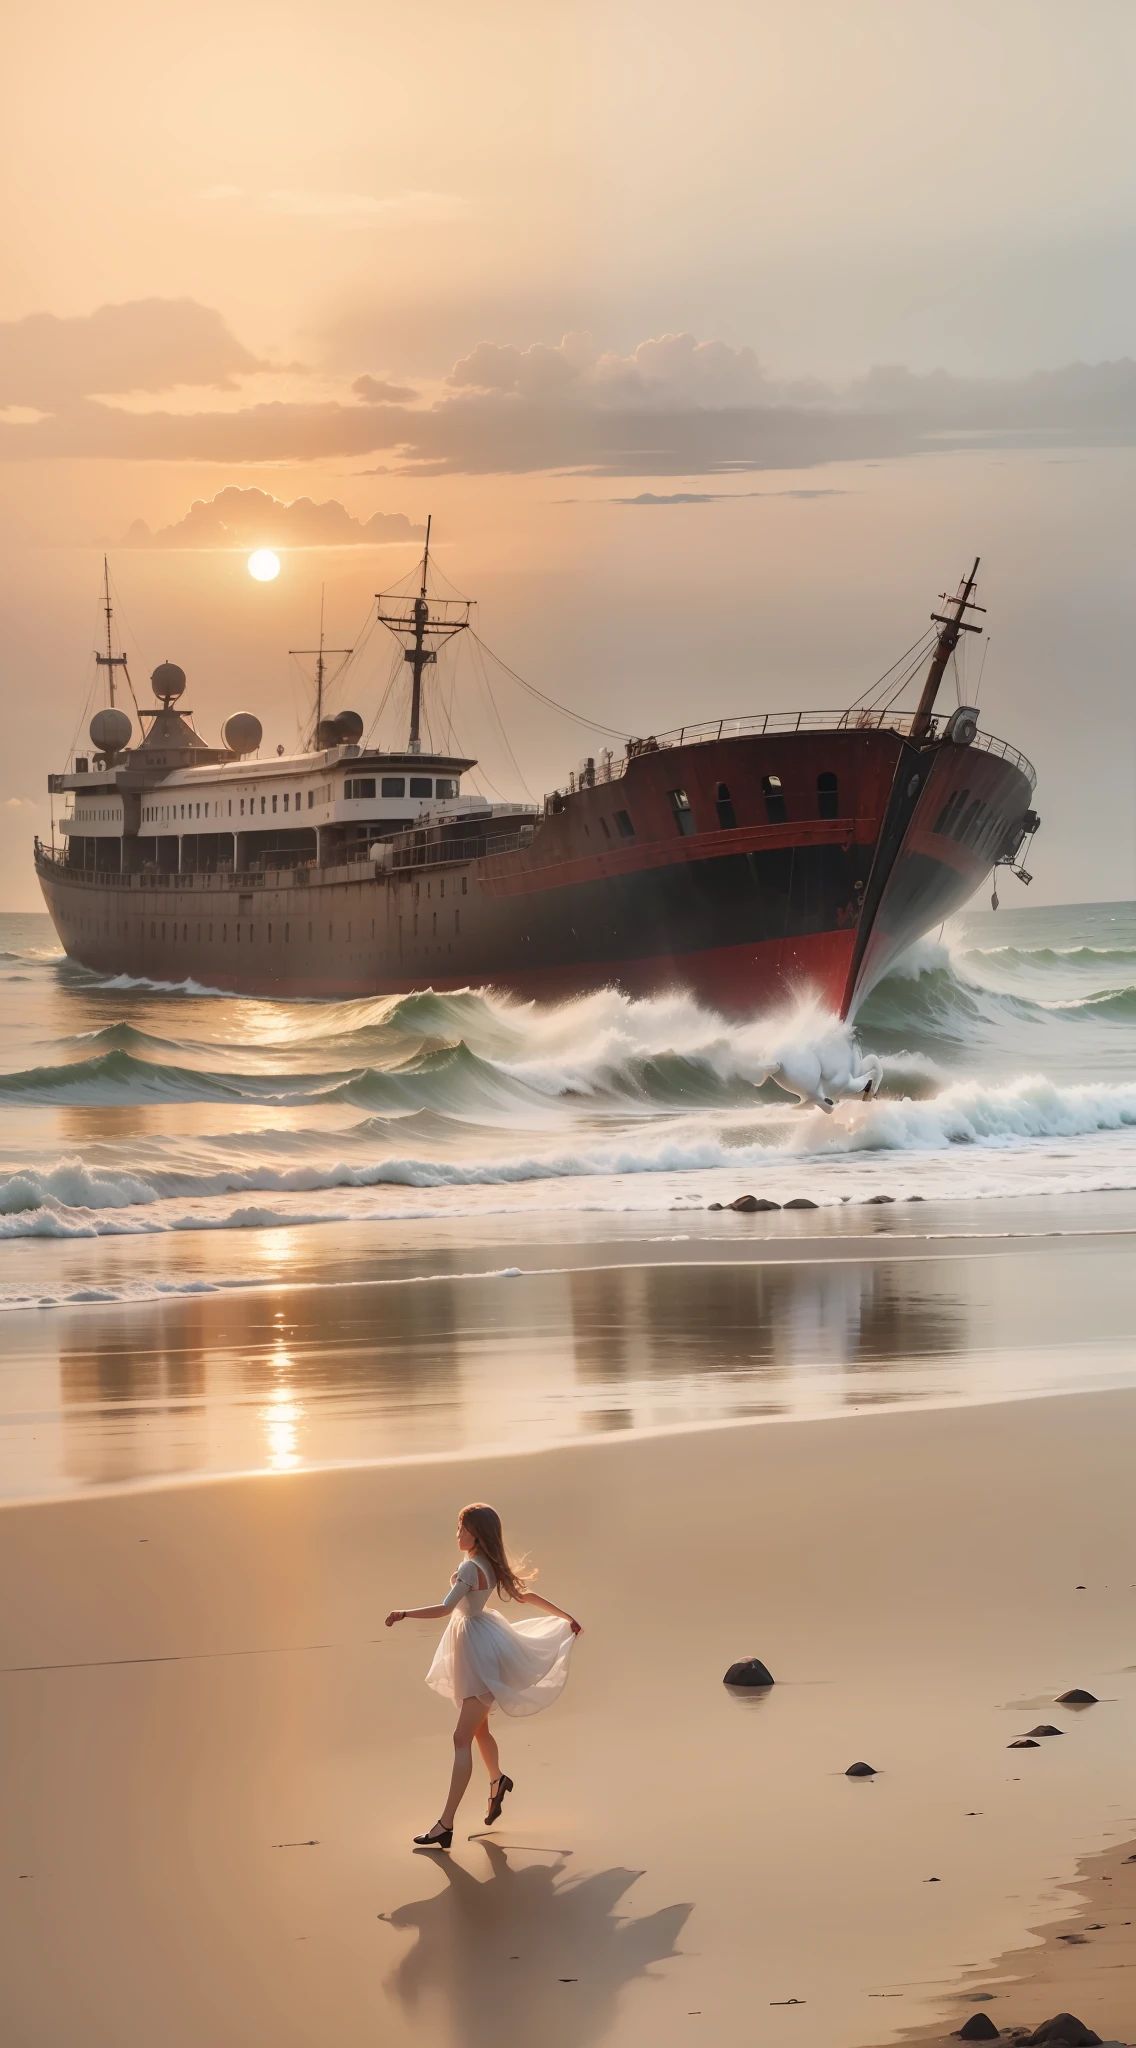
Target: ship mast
[
  {"x": 449, "y": 616},
  {"x": 321, "y": 666},
  {"x": 110, "y": 660},
  {"x": 953, "y": 625}
]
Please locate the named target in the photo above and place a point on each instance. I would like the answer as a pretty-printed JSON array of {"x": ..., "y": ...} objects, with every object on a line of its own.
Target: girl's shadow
[{"x": 526, "y": 1953}]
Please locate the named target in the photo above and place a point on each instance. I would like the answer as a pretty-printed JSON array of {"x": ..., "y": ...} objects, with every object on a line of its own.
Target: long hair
[{"x": 484, "y": 1525}]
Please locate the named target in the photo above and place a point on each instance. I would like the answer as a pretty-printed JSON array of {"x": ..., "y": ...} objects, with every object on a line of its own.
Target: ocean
[{"x": 244, "y": 1234}]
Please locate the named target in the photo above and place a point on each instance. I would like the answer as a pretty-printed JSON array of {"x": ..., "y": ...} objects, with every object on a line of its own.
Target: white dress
[{"x": 519, "y": 1666}]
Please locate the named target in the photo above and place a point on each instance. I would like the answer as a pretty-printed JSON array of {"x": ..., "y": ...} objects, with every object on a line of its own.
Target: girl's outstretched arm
[
  {"x": 538, "y": 1600},
  {"x": 414, "y": 1614}
]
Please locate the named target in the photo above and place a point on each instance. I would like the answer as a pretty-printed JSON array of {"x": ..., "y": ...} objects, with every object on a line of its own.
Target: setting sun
[{"x": 264, "y": 565}]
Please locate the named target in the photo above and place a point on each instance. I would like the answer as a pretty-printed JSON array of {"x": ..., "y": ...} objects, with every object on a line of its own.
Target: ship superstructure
[{"x": 744, "y": 858}]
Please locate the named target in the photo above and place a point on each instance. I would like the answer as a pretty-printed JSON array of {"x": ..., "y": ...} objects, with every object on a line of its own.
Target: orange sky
[{"x": 345, "y": 245}]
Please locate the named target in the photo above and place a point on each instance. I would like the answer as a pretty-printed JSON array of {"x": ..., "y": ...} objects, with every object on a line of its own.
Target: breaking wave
[{"x": 157, "y": 1110}]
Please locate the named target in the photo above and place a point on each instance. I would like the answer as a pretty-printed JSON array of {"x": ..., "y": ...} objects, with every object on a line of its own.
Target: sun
[{"x": 264, "y": 565}]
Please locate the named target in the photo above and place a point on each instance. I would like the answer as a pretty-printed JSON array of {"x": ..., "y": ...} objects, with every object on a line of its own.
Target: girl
[{"x": 484, "y": 1661}]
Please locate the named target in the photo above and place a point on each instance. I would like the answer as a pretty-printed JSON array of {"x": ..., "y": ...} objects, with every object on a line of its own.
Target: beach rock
[
  {"x": 1077, "y": 1698},
  {"x": 750, "y": 1671},
  {"x": 715, "y": 1205},
  {"x": 748, "y": 1205},
  {"x": 1063, "y": 2031},
  {"x": 1046, "y": 1728},
  {"x": 860, "y": 1771},
  {"x": 801, "y": 1202},
  {"x": 979, "y": 2027},
  {"x": 1024, "y": 1742},
  {"x": 873, "y": 1201}
]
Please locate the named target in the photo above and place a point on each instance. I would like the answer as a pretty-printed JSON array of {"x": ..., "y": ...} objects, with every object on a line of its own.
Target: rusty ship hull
[{"x": 748, "y": 866}]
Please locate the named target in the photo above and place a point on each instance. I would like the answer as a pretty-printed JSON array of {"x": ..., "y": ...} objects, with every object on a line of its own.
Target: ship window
[
  {"x": 273, "y": 803},
  {"x": 262, "y": 807},
  {"x": 727, "y": 817},
  {"x": 420, "y": 785},
  {"x": 230, "y": 807},
  {"x": 394, "y": 785},
  {"x": 465, "y": 885},
  {"x": 680, "y": 807},
  {"x": 242, "y": 807},
  {"x": 828, "y": 796},
  {"x": 445, "y": 786},
  {"x": 362, "y": 786},
  {"x": 774, "y": 799},
  {"x": 298, "y": 800},
  {"x": 197, "y": 811},
  {"x": 954, "y": 804},
  {"x": 285, "y": 800}
]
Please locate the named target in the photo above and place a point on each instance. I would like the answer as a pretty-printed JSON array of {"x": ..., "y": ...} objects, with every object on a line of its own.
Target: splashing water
[{"x": 1002, "y": 1053}]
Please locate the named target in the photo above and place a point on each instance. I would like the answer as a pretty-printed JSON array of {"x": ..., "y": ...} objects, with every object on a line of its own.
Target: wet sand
[
  {"x": 213, "y": 1755},
  {"x": 1074, "y": 1962},
  {"x": 422, "y": 1343}
]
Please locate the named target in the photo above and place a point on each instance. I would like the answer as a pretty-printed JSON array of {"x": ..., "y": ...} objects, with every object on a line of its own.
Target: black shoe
[
  {"x": 437, "y": 1837},
  {"x": 497, "y": 1799}
]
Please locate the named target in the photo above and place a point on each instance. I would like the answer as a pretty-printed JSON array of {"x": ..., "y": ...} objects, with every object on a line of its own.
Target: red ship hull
[{"x": 751, "y": 869}]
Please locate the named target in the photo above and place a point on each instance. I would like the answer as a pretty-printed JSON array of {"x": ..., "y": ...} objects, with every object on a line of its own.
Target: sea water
[{"x": 241, "y": 1233}]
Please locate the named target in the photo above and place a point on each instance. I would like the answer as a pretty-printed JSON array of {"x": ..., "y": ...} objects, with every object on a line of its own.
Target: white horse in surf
[{"x": 826, "y": 1071}]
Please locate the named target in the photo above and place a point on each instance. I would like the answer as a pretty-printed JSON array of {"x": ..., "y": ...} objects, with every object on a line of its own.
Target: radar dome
[
  {"x": 110, "y": 731},
  {"x": 348, "y": 728},
  {"x": 168, "y": 680},
  {"x": 242, "y": 733}
]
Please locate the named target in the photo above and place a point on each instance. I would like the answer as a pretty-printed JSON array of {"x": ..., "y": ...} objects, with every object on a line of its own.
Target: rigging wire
[
  {"x": 917, "y": 649},
  {"x": 483, "y": 678},
  {"x": 593, "y": 724}
]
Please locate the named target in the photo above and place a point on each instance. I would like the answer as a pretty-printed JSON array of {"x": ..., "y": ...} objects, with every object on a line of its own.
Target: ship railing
[
  {"x": 430, "y": 853},
  {"x": 774, "y": 722}
]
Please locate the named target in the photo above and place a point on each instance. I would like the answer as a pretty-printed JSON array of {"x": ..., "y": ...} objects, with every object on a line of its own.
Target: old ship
[{"x": 746, "y": 859}]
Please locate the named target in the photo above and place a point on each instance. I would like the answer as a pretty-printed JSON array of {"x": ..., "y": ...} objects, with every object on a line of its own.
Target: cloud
[
  {"x": 146, "y": 345},
  {"x": 674, "y": 407},
  {"x": 374, "y": 392},
  {"x": 708, "y": 497},
  {"x": 238, "y": 518},
  {"x": 670, "y": 374}
]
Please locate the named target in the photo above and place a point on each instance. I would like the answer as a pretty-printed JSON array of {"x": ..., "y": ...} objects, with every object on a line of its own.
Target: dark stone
[
  {"x": 1077, "y": 1698},
  {"x": 979, "y": 2027},
  {"x": 750, "y": 1671},
  {"x": 1063, "y": 2031},
  {"x": 801, "y": 1202},
  {"x": 1024, "y": 1742},
  {"x": 749, "y": 1205},
  {"x": 1046, "y": 1728},
  {"x": 860, "y": 1771},
  {"x": 715, "y": 1205},
  {"x": 873, "y": 1201}
]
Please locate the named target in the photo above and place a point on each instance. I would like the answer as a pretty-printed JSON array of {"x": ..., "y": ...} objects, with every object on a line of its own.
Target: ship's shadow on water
[{"x": 526, "y": 1952}]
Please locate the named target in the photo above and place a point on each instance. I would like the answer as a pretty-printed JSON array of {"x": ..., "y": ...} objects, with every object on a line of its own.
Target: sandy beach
[{"x": 214, "y": 1756}]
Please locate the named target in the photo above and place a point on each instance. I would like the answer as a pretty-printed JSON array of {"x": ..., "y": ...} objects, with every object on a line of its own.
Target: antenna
[
  {"x": 449, "y": 616},
  {"x": 110, "y": 660},
  {"x": 321, "y": 665}
]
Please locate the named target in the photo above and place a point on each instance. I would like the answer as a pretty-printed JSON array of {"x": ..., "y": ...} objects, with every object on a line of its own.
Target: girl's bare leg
[
  {"x": 473, "y": 1713},
  {"x": 487, "y": 1744}
]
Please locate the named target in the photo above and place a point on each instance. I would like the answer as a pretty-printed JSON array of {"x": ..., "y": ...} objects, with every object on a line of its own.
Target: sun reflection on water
[{"x": 279, "y": 1419}]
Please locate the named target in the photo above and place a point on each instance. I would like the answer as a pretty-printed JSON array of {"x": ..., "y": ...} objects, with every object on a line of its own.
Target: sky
[{"x": 717, "y": 342}]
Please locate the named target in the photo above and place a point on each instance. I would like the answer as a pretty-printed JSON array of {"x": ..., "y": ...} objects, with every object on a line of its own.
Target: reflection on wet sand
[
  {"x": 276, "y": 1378},
  {"x": 527, "y": 1950}
]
